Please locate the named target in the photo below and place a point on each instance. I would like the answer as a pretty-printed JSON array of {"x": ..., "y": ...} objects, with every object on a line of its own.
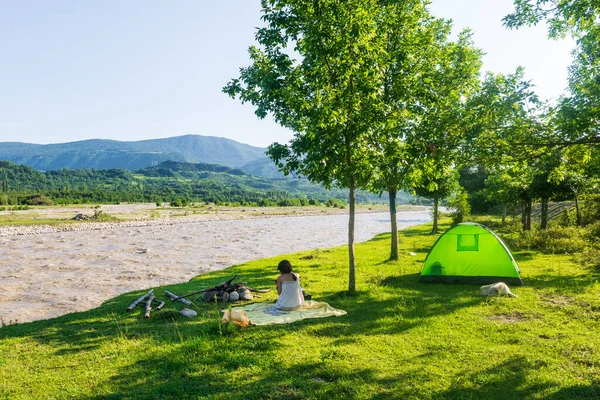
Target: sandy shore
[{"x": 48, "y": 271}]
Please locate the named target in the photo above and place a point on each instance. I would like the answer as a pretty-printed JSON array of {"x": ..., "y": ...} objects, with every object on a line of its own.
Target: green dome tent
[{"x": 470, "y": 253}]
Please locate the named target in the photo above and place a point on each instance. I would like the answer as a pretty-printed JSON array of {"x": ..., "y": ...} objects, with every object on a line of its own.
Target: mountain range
[{"x": 134, "y": 155}]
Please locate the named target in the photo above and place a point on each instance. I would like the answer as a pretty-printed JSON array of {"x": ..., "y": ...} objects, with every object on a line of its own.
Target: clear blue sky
[{"x": 142, "y": 69}]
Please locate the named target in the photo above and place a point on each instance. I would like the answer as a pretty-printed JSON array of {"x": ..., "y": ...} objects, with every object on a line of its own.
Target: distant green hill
[
  {"x": 105, "y": 154},
  {"x": 165, "y": 182},
  {"x": 263, "y": 167},
  {"x": 236, "y": 183},
  {"x": 173, "y": 169}
]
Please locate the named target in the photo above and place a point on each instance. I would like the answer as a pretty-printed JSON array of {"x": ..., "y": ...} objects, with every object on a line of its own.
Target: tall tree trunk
[
  {"x": 577, "y": 214},
  {"x": 524, "y": 215},
  {"x": 436, "y": 202},
  {"x": 504, "y": 214},
  {"x": 544, "y": 214},
  {"x": 394, "y": 219},
  {"x": 352, "y": 274}
]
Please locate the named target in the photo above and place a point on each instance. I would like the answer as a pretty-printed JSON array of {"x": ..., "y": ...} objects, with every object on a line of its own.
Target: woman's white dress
[{"x": 291, "y": 297}]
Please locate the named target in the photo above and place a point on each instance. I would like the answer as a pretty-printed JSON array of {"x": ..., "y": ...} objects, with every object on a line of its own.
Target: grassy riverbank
[{"x": 400, "y": 339}]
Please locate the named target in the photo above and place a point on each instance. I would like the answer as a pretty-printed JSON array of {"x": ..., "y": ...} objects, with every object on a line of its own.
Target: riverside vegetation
[
  {"x": 174, "y": 182},
  {"x": 400, "y": 339}
]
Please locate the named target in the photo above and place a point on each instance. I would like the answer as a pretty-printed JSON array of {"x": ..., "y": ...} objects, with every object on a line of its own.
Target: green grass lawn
[{"x": 400, "y": 340}]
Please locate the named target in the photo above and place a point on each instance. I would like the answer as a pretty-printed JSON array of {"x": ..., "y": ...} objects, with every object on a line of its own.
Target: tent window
[{"x": 467, "y": 243}]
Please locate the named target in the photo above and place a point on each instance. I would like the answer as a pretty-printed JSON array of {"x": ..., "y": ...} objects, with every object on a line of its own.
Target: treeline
[
  {"x": 179, "y": 183},
  {"x": 529, "y": 194}
]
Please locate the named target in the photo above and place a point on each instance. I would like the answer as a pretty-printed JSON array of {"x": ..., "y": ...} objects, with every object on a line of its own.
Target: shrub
[
  {"x": 590, "y": 209},
  {"x": 37, "y": 200},
  {"x": 179, "y": 203},
  {"x": 462, "y": 209},
  {"x": 589, "y": 257},
  {"x": 265, "y": 203},
  {"x": 335, "y": 203},
  {"x": 290, "y": 202},
  {"x": 594, "y": 230},
  {"x": 555, "y": 240},
  {"x": 99, "y": 216}
]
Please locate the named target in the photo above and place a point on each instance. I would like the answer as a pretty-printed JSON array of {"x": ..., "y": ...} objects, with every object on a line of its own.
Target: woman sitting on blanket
[{"x": 288, "y": 288}]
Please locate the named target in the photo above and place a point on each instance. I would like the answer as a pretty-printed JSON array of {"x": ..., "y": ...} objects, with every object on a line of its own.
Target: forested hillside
[{"x": 167, "y": 182}]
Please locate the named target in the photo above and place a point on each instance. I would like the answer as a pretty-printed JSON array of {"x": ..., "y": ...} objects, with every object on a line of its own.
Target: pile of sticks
[
  {"x": 226, "y": 291},
  {"x": 223, "y": 292},
  {"x": 148, "y": 298}
]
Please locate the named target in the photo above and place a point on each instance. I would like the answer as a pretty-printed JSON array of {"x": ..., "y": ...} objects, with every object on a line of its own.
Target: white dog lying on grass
[{"x": 496, "y": 289}]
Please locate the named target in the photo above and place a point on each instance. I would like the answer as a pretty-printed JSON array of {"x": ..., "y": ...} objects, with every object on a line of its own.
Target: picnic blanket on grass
[{"x": 267, "y": 314}]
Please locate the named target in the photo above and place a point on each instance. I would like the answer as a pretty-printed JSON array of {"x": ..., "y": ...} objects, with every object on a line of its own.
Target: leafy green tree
[
  {"x": 577, "y": 113},
  {"x": 509, "y": 129},
  {"x": 543, "y": 187},
  {"x": 500, "y": 188},
  {"x": 410, "y": 35},
  {"x": 442, "y": 114},
  {"x": 460, "y": 204},
  {"x": 472, "y": 178},
  {"x": 511, "y": 184},
  {"x": 316, "y": 72},
  {"x": 438, "y": 189},
  {"x": 575, "y": 16},
  {"x": 507, "y": 121},
  {"x": 422, "y": 104},
  {"x": 575, "y": 118},
  {"x": 577, "y": 172}
]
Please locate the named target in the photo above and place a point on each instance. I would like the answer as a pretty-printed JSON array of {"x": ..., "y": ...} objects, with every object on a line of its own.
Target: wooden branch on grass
[
  {"x": 139, "y": 300},
  {"x": 234, "y": 287},
  {"x": 259, "y": 290},
  {"x": 149, "y": 306},
  {"x": 225, "y": 284},
  {"x": 180, "y": 298},
  {"x": 175, "y": 297}
]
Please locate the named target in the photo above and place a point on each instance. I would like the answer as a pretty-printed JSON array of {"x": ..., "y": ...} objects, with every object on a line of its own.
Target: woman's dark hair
[{"x": 285, "y": 267}]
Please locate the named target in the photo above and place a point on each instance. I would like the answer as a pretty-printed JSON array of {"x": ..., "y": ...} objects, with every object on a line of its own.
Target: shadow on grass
[
  {"x": 184, "y": 373},
  {"x": 406, "y": 304},
  {"x": 566, "y": 284},
  {"x": 215, "y": 378},
  {"x": 509, "y": 380},
  {"x": 523, "y": 255},
  {"x": 381, "y": 237}
]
